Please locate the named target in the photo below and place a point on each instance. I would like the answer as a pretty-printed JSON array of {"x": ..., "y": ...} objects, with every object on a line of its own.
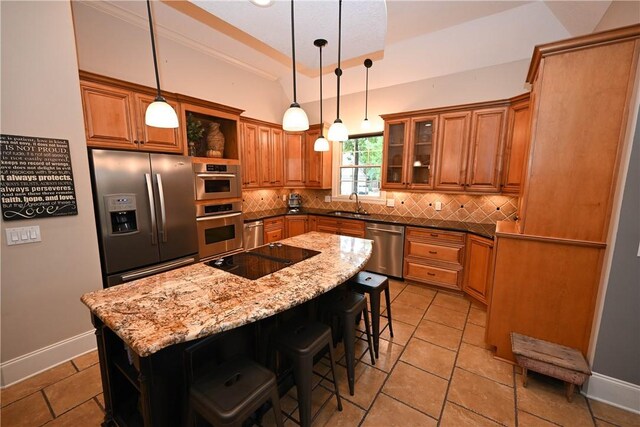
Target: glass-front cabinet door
[
  {"x": 395, "y": 144},
  {"x": 423, "y": 131}
]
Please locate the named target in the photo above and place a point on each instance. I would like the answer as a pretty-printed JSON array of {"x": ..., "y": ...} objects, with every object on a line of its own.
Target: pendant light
[
  {"x": 321, "y": 143},
  {"x": 295, "y": 119},
  {"x": 338, "y": 131},
  {"x": 159, "y": 113},
  {"x": 366, "y": 124}
]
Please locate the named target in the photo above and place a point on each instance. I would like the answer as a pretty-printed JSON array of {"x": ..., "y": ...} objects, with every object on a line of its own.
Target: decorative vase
[{"x": 215, "y": 141}]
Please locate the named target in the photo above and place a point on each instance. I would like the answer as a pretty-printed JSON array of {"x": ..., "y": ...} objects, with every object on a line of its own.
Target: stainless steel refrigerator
[{"x": 145, "y": 213}]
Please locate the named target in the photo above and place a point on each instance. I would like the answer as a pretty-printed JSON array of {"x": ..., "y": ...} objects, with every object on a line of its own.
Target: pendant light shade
[
  {"x": 159, "y": 113},
  {"x": 338, "y": 131},
  {"x": 366, "y": 124},
  {"x": 294, "y": 119},
  {"x": 321, "y": 143}
]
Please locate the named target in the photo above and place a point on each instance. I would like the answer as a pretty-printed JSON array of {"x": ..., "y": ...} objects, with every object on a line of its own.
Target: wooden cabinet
[
  {"x": 296, "y": 225},
  {"x": 304, "y": 167},
  {"x": 262, "y": 152},
  {"x": 478, "y": 267},
  {"x": 434, "y": 257},
  {"x": 313, "y": 223},
  {"x": 408, "y": 153},
  {"x": 345, "y": 227},
  {"x": 294, "y": 167},
  {"x": 515, "y": 153},
  {"x": 114, "y": 118},
  {"x": 452, "y": 151},
  {"x": 548, "y": 266},
  {"x": 274, "y": 229},
  {"x": 469, "y": 150},
  {"x": 486, "y": 145},
  {"x": 317, "y": 164}
]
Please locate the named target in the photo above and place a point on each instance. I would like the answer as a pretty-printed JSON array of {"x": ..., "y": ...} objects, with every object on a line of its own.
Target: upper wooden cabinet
[
  {"x": 262, "y": 154},
  {"x": 114, "y": 118},
  {"x": 449, "y": 149},
  {"x": 452, "y": 151},
  {"x": 408, "y": 153},
  {"x": 515, "y": 153},
  {"x": 294, "y": 166},
  {"x": 317, "y": 164}
]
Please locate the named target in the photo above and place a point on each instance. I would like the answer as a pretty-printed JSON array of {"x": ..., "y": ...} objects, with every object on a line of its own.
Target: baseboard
[
  {"x": 613, "y": 392},
  {"x": 33, "y": 363}
]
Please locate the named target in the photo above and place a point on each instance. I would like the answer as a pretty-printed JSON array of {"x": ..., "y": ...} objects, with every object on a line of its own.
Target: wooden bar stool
[
  {"x": 347, "y": 306},
  {"x": 232, "y": 392},
  {"x": 301, "y": 343},
  {"x": 373, "y": 284}
]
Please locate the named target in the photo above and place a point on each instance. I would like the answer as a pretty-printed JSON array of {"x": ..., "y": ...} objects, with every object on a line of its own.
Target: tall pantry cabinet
[{"x": 548, "y": 264}]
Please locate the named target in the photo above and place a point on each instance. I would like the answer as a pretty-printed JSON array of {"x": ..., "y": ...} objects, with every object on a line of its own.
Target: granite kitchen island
[{"x": 142, "y": 327}]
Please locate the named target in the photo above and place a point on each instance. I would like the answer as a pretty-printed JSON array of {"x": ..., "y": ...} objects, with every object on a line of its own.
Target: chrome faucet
[{"x": 358, "y": 208}]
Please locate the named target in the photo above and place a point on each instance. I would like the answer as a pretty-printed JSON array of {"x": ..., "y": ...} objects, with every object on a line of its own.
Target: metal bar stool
[
  {"x": 373, "y": 285},
  {"x": 231, "y": 392},
  {"x": 347, "y": 306},
  {"x": 300, "y": 343}
]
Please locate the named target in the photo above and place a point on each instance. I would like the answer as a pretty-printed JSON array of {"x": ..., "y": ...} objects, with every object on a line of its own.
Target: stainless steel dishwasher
[
  {"x": 253, "y": 234},
  {"x": 388, "y": 248}
]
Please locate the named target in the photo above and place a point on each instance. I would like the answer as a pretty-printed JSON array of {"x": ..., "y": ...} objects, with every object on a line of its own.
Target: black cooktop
[{"x": 263, "y": 260}]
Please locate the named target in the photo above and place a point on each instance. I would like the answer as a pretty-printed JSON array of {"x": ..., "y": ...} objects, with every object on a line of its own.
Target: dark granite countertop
[{"x": 482, "y": 230}]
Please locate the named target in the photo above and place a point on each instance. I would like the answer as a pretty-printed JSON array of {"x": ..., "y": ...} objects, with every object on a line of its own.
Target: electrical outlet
[
  {"x": 391, "y": 202},
  {"x": 438, "y": 206},
  {"x": 327, "y": 199},
  {"x": 284, "y": 197}
]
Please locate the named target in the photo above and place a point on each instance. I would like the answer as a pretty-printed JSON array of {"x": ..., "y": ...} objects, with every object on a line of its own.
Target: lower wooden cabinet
[
  {"x": 295, "y": 225},
  {"x": 478, "y": 268},
  {"x": 434, "y": 257},
  {"x": 345, "y": 227},
  {"x": 273, "y": 229}
]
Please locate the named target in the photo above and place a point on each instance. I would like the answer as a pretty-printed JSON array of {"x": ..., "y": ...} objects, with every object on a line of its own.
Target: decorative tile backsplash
[{"x": 455, "y": 207}]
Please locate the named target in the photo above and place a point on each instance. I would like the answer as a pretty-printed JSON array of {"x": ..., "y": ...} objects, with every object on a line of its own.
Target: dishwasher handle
[{"x": 384, "y": 230}]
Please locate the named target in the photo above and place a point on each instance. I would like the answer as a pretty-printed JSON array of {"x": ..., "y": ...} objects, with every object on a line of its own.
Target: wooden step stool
[{"x": 551, "y": 359}]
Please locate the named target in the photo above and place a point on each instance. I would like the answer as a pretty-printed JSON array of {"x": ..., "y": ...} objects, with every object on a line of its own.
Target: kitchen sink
[{"x": 349, "y": 213}]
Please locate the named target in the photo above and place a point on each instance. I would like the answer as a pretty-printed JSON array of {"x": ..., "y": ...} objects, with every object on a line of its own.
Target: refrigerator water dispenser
[{"x": 121, "y": 210}]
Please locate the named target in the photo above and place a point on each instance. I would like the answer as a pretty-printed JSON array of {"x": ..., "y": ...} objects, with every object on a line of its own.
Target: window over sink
[{"x": 358, "y": 168}]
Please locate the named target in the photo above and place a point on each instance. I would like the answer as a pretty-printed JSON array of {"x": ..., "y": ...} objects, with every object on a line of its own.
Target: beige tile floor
[{"x": 434, "y": 371}]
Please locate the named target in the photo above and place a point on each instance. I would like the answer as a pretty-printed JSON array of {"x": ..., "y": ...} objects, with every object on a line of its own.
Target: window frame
[{"x": 337, "y": 165}]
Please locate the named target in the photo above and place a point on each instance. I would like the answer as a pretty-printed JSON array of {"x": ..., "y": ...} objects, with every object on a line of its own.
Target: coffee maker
[{"x": 295, "y": 202}]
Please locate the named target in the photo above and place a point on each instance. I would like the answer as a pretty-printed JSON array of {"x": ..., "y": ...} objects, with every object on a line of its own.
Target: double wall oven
[{"x": 218, "y": 209}]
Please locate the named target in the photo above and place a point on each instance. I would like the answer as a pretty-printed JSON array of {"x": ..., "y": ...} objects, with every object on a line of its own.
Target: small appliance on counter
[{"x": 295, "y": 202}]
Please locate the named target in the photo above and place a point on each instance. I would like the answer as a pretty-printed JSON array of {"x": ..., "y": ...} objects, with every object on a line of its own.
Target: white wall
[
  {"x": 42, "y": 282},
  {"x": 113, "y": 47}
]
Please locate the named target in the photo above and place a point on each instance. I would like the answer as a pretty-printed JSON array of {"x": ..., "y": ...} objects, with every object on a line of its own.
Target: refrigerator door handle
[
  {"x": 152, "y": 207},
  {"x": 163, "y": 211}
]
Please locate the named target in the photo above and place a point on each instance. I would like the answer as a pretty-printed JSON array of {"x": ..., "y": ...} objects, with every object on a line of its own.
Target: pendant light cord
[
  {"x": 339, "y": 70},
  {"x": 366, "y": 95},
  {"x": 153, "y": 49},
  {"x": 321, "y": 124},
  {"x": 293, "y": 56}
]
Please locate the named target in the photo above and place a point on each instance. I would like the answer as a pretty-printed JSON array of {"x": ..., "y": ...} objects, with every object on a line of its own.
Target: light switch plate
[
  {"x": 438, "y": 206},
  {"x": 22, "y": 235},
  {"x": 391, "y": 202}
]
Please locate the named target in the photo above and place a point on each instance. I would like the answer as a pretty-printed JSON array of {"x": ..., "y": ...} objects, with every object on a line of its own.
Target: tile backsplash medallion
[{"x": 455, "y": 207}]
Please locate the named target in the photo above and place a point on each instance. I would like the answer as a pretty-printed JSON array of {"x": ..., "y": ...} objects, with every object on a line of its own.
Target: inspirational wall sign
[{"x": 36, "y": 179}]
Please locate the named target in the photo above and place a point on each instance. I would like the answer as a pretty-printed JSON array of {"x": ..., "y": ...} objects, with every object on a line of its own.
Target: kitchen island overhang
[{"x": 198, "y": 301}]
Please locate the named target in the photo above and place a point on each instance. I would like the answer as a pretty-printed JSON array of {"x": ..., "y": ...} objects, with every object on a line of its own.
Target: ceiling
[{"x": 407, "y": 40}]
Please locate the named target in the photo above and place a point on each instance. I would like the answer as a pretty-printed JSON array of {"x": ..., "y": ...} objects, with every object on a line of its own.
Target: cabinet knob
[{"x": 433, "y": 252}]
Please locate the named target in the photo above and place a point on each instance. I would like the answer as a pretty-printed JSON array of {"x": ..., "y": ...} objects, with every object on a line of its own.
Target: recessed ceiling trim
[{"x": 141, "y": 22}]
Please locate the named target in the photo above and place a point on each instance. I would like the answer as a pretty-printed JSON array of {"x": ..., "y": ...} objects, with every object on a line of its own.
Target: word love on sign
[{"x": 36, "y": 179}]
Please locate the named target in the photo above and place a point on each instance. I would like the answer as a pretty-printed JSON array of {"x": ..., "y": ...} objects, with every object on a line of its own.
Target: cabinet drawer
[
  {"x": 436, "y": 252},
  {"x": 431, "y": 274},
  {"x": 274, "y": 223},
  {"x": 351, "y": 227},
  {"x": 433, "y": 234}
]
